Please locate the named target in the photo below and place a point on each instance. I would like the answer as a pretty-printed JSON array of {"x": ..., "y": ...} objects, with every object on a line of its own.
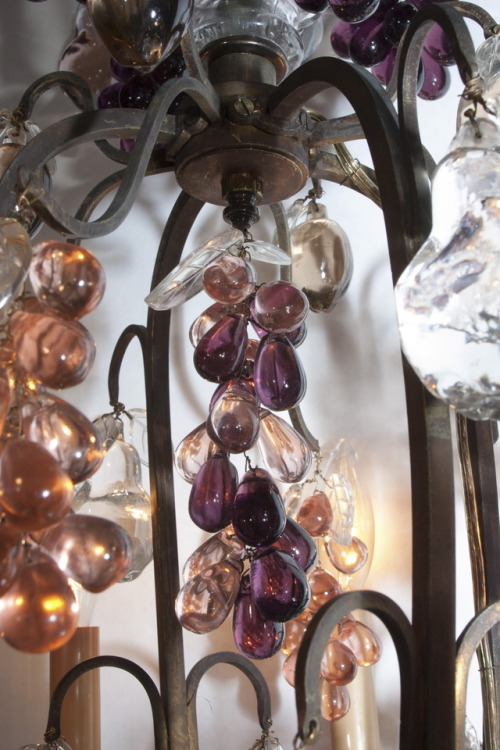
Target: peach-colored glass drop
[
  {"x": 338, "y": 664},
  {"x": 34, "y": 490},
  {"x": 323, "y": 588},
  {"x": 229, "y": 279},
  {"x": 93, "y": 551},
  {"x": 294, "y": 631},
  {"x": 192, "y": 452},
  {"x": 348, "y": 558},
  {"x": 39, "y": 612},
  {"x": 289, "y": 667},
  {"x": 10, "y": 557},
  {"x": 362, "y": 640},
  {"x": 57, "y": 353},
  {"x": 284, "y": 452},
  {"x": 66, "y": 433},
  {"x": 66, "y": 278},
  {"x": 335, "y": 701},
  {"x": 315, "y": 514},
  {"x": 204, "y": 602},
  {"x": 223, "y": 546}
]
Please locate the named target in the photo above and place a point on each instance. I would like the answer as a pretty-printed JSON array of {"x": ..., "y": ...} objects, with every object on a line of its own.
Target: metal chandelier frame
[{"x": 433, "y": 666}]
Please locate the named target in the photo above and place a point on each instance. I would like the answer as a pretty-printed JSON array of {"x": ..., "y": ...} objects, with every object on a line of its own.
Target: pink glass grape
[
  {"x": 279, "y": 307},
  {"x": 229, "y": 279}
]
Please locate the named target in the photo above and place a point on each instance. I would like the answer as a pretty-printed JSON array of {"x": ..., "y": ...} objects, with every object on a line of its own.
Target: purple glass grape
[
  {"x": 172, "y": 67},
  {"x": 340, "y": 38},
  {"x": 436, "y": 79},
  {"x": 313, "y": 6},
  {"x": 279, "y": 587},
  {"x": 121, "y": 72},
  {"x": 138, "y": 92},
  {"x": 297, "y": 543},
  {"x": 279, "y": 307},
  {"x": 354, "y": 11},
  {"x": 253, "y": 635},
  {"x": 259, "y": 516},
  {"x": 220, "y": 353},
  {"x": 437, "y": 46},
  {"x": 397, "y": 20},
  {"x": 109, "y": 98},
  {"x": 279, "y": 377},
  {"x": 212, "y": 494},
  {"x": 369, "y": 45}
]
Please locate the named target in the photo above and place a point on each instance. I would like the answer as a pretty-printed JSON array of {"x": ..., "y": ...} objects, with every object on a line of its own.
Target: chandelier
[{"x": 221, "y": 98}]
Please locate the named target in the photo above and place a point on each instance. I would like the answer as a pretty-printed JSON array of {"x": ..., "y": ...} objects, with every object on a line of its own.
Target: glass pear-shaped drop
[
  {"x": 220, "y": 354},
  {"x": 205, "y": 600},
  {"x": 284, "y": 452},
  {"x": 297, "y": 543},
  {"x": 338, "y": 664},
  {"x": 109, "y": 429},
  {"x": 234, "y": 422},
  {"x": 242, "y": 386},
  {"x": 192, "y": 452},
  {"x": 206, "y": 321},
  {"x": 279, "y": 307},
  {"x": 142, "y": 33},
  {"x": 10, "y": 557},
  {"x": 66, "y": 278},
  {"x": 223, "y": 546},
  {"x": 258, "y": 513},
  {"x": 93, "y": 551},
  {"x": 253, "y": 635},
  {"x": 362, "y": 640},
  {"x": 65, "y": 432},
  {"x": 289, "y": 666},
  {"x": 39, "y": 612},
  {"x": 335, "y": 701},
  {"x": 115, "y": 492},
  {"x": 229, "y": 279},
  {"x": 348, "y": 558},
  {"x": 315, "y": 514},
  {"x": 294, "y": 632},
  {"x": 57, "y": 353},
  {"x": 280, "y": 381},
  {"x": 323, "y": 587},
  {"x": 212, "y": 494},
  {"x": 321, "y": 259},
  {"x": 15, "y": 257},
  {"x": 34, "y": 490},
  {"x": 279, "y": 587}
]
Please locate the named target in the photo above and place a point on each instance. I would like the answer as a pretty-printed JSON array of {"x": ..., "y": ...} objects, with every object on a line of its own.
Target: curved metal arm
[
  {"x": 307, "y": 684},
  {"x": 74, "y": 84},
  {"x": 249, "y": 670},
  {"x": 128, "y": 335},
  {"x": 53, "y": 731}
]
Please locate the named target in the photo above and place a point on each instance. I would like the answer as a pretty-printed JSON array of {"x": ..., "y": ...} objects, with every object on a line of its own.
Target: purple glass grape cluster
[
  {"x": 252, "y": 377},
  {"x": 369, "y": 31}
]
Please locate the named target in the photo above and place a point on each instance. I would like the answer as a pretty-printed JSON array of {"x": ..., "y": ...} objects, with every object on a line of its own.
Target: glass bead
[
  {"x": 57, "y": 353},
  {"x": 436, "y": 80},
  {"x": 437, "y": 46},
  {"x": 369, "y": 45},
  {"x": 233, "y": 422},
  {"x": 283, "y": 450},
  {"x": 258, "y": 514},
  {"x": 323, "y": 587},
  {"x": 65, "y": 432},
  {"x": 361, "y": 640},
  {"x": 94, "y": 552},
  {"x": 138, "y": 92},
  {"x": 205, "y": 601},
  {"x": 280, "y": 381},
  {"x": 338, "y": 665},
  {"x": 397, "y": 20},
  {"x": 297, "y": 543},
  {"x": 66, "y": 278},
  {"x": 294, "y": 632},
  {"x": 348, "y": 558},
  {"x": 279, "y": 307},
  {"x": 384, "y": 69},
  {"x": 289, "y": 666},
  {"x": 335, "y": 701},
  {"x": 10, "y": 556},
  {"x": 223, "y": 546},
  {"x": 192, "y": 452},
  {"x": 212, "y": 494},
  {"x": 172, "y": 66},
  {"x": 15, "y": 258},
  {"x": 206, "y": 321},
  {"x": 109, "y": 98},
  {"x": 121, "y": 72},
  {"x": 34, "y": 490},
  {"x": 229, "y": 279},
  {"x": 315, "y": 514},
  {"x": 253, "y": 635},
  {"x": 39, "y": 612},
  {"x": 354, "y": 11},
  {"x": 340, "y": 38},
  {"x": 279, "y": 587},
  {"x": 220, "y": 354}
]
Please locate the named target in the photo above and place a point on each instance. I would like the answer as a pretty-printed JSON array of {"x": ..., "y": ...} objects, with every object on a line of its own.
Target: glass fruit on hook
[
  {"x": 254, "y": 635},
  {"x": 115, "y": 492}
]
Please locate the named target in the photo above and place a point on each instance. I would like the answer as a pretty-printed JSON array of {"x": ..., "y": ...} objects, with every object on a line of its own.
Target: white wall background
[{"x": 354, "y": 391}]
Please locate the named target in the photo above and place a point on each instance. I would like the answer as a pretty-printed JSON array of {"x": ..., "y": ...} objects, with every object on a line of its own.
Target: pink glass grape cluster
[
  {"x": 47, "y": 445},
  {"x": 369, "y": 31},
  {"x": 247, "y": 515}
]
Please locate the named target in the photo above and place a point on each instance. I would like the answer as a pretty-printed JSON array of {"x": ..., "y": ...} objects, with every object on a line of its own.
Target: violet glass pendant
[
  {"x": 297, "y": 543},
  {"x": 280, "y": 381},
  {"x": 204, "y": 602},
  {"x": 279, "y": 587},
  {"x": 212, "y": 495},
  {"x": 284, "y": 452},
  {"x": 258, "y": 513},
  {"x": 234, "y": 422},
  {"x": 253, "y": 635},
  {"x": 223, "y": 546},
  {"x": 220, "y": 354}
]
